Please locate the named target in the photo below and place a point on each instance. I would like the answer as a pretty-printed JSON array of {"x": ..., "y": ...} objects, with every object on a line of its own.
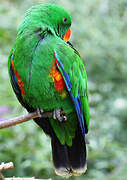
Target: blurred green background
[{"x": 99, "y": 33}]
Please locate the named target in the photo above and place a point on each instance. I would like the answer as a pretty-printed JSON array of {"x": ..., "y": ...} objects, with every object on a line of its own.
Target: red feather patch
[
  {"x": 57, "y": 77},
  {"x": 20, "y": 82}
]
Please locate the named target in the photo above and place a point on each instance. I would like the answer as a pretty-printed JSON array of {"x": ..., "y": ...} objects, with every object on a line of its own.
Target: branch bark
[
  {"x": 23, "y": 118},
  {"x": 18, "y": 178},
  {"x": 6, "y": 166}
]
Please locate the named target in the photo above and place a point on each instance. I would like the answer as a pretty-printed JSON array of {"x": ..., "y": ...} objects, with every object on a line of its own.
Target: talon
[
  {"x": 57, "y": 115},
  {"x": 39, "y": 112},
  {"x": 65, "y": 117}
]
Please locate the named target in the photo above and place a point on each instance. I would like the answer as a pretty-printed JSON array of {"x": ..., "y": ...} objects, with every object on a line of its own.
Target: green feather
[
  {"x": 39, "y": 36},
  {"x": 78, "y": 76},
  {"x": 65, "y": 131}
]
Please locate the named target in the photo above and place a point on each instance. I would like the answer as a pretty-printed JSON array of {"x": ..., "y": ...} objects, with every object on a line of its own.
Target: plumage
[
  {"x": 47, "y": 72},
  {"x": 74, "y": 96}
]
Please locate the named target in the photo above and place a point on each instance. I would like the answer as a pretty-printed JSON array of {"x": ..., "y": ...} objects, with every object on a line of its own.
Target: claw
[
  {"x": 58, "y": 115},
  {"x": 39, "y": 112}
]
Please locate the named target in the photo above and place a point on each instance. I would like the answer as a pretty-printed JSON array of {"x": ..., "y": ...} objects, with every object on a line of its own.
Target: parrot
[{"x": 47, "y": 74}]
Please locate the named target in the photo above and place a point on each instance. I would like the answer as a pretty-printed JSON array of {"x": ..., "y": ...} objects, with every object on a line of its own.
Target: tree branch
[
  {"x": 23, "y": 118},
  {"x": 18, "y": 178},
  {"x": 3, "y": 167},
  {"x": 6, "y": 166}
]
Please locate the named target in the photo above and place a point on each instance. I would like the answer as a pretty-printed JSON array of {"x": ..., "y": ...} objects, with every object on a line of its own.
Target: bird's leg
[
  {"x": 57, "y": 114},
  {"x": 39, "y": 112}
]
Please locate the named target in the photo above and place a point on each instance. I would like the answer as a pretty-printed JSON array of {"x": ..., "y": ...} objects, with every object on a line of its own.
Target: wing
[
  {"x": 74, "y": 74},
  {"x": 16, "y": 81}
]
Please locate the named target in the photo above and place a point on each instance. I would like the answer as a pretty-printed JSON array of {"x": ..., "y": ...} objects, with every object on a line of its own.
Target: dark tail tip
[{"x": 67, "y": 160}]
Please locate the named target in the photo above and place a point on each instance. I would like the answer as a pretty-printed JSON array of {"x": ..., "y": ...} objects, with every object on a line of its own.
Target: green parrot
[{"x": 47, "y": 74}]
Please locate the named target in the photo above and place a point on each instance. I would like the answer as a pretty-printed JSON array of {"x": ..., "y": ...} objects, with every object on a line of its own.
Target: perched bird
[{"x": 47, "y": 74}]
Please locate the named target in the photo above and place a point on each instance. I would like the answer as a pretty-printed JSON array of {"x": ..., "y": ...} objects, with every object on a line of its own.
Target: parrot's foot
[
  {"x": 39, "y": 112},
  {"x": 57, "y": 114}
]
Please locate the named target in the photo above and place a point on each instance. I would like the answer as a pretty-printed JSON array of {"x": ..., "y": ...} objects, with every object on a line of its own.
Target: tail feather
[
  {"x": 60, "y": 154},
  {"x": 60, "y": 158},
  {"x": 77, "y": 154},
  {"x": 69, "y": 160}
]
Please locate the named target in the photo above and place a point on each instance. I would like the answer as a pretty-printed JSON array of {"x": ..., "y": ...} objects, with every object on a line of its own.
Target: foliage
[{"x": 99, "y": 34}]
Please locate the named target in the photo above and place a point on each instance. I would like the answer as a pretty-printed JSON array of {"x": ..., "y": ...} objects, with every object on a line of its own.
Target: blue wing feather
[{"x": 76, "y": 100}]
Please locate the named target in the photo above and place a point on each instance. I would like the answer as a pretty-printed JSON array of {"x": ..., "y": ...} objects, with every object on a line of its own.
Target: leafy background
[{"x": 99, "y": 34}]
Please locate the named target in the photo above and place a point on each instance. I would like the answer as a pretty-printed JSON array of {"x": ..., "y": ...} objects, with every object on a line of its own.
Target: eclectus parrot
[{"x": 47, "y": 73}]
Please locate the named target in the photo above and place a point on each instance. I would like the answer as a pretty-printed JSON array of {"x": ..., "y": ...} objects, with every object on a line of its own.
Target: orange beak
[{"x": 67, "y": 35}]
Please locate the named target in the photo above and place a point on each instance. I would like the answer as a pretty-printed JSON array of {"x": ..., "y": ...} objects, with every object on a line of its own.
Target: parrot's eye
[{"x": 65, "y": 20}]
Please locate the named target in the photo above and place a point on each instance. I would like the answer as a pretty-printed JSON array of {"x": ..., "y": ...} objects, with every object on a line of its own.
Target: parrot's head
[
  {"x": 59, "y": 20},
  {"x": 55, "y": 18}
]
